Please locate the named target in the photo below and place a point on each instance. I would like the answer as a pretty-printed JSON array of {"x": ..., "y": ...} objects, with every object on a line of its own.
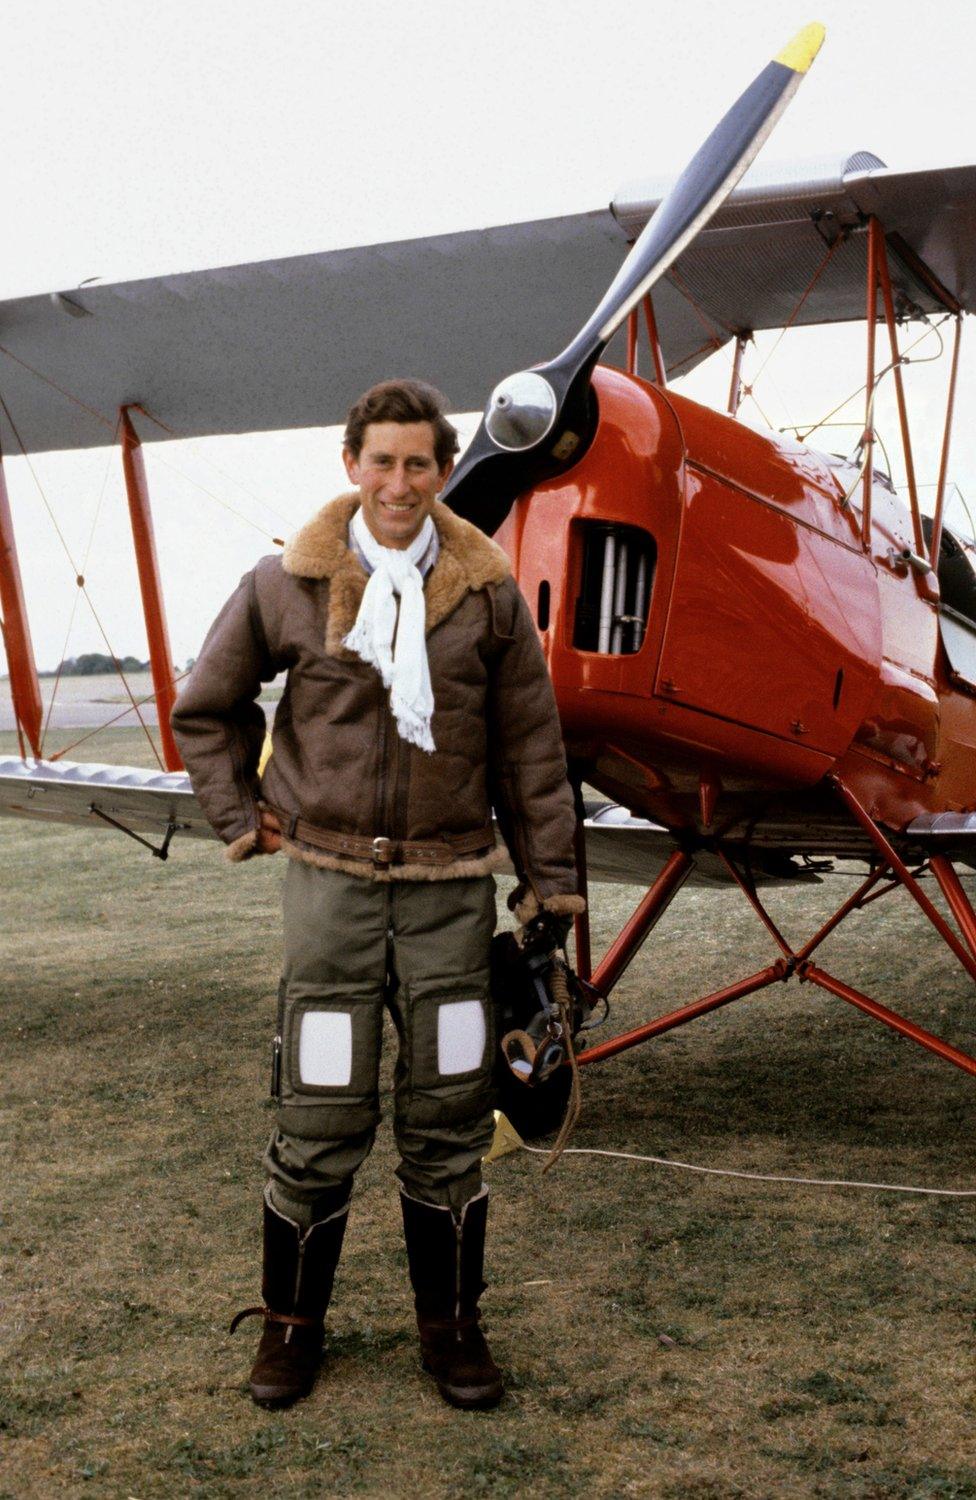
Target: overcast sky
[{"x": 147, "y": 138}]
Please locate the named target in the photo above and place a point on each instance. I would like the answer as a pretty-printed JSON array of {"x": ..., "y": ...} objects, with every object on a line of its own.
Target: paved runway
[{"x": 86, "y": 702}]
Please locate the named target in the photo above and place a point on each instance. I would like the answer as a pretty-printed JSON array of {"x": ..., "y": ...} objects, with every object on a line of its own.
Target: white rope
[{"x": 684, "y": 1166}]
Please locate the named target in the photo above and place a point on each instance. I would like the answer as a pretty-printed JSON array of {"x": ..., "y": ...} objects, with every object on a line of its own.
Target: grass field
[{"x": 665, "y": 1334}]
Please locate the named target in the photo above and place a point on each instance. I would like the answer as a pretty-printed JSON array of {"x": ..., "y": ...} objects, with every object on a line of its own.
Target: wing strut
[
  {"x": 653, "y": 339},
  {"x": 795, "y": 962},
  {"x": 24, "y": 686},
  {"x": 935, "y": 544},
  {"x": 160, "y": 655}
]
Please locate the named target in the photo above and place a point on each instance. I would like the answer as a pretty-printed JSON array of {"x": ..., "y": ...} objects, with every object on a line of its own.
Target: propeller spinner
[{"x": 536, "y": 420}]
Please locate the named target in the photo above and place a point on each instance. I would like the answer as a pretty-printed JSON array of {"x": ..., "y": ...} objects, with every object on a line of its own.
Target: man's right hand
[
  {"x": 269, "y": 834},
  {"x": 544, "y": 933}
]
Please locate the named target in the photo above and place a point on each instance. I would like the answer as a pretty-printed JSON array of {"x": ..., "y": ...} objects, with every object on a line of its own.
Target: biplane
[{"x": 764, "y": 658}]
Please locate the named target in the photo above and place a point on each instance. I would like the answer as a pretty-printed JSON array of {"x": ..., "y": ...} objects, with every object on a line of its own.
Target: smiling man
[
  {"x": 416, "y": 698},
  {"x": 399, "y": 473}
]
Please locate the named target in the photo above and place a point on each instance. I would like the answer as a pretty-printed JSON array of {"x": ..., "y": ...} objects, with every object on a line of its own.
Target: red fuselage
[{"x": 774, "y": 647}]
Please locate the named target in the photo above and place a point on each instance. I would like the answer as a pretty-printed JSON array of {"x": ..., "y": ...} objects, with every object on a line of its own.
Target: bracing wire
[
  {"x": 715, "y": 339},
  {"x": 68, "y": 395},
  {"x": 796, "y": 311},
  {"x": 218, "y": 500},
  {"x": 221, "y": 473},
  {"x": 97, "y": 729},
  {"x": 777, "y": 388},
  {"x": 859, "y": 426},
  {"x": 748, "y": 394},
  {"x": 74, "y": 603},
  {"x": 803, "y": 433},
  {"x": 79, "y": 577},
  {"x": 79, "y": 572},
  {"x": 806, "y": 432},
  {"x": 863, "y": 449},
  {"x": 113, "y": 427}
]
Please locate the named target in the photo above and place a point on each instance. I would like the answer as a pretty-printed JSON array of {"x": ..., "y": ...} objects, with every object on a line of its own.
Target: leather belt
[{"x": 383, "y": 852}]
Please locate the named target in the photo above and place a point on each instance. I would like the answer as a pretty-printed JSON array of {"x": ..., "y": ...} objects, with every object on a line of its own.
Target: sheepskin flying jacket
[{"x": 338, "y": 763}]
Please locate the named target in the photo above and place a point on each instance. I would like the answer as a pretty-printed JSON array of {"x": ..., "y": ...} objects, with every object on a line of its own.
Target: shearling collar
[{"x": 468, "y": 560}]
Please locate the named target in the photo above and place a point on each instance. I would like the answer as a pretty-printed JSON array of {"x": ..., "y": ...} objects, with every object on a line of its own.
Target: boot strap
[{"x": 274, "y": 1317}]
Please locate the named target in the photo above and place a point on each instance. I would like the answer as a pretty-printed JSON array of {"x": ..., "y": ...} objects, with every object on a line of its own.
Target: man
[{"x": 416, "y": 697}]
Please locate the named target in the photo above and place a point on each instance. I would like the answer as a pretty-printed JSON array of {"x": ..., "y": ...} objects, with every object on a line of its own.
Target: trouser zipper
[
  {"x": 276, "y": 1046},
  {"x": 459, "y": 1234},
  {"x": 298, "y": 1282}
]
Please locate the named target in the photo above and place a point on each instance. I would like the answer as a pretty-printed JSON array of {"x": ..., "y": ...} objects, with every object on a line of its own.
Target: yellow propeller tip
[{"x": 800, "y": 52}]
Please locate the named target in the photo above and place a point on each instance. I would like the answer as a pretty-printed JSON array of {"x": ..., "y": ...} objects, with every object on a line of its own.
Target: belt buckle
[{"x": 382, "y": 851}]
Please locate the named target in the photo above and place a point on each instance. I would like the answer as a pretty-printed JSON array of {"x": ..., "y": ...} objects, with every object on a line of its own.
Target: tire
[{"x": 535, "y": 1111}]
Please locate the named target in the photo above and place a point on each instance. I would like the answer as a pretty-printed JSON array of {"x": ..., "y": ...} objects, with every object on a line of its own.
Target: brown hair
[{"x": 402, "y": 401}]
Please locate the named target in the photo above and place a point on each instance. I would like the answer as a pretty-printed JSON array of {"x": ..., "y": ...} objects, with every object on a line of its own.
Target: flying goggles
[{"x": 557, "y": 1004}]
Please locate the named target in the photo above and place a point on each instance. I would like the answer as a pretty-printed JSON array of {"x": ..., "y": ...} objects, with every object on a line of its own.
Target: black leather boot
[
  {"x": 299, "y": 1269},
  {"x": 446, "y": 1253}
]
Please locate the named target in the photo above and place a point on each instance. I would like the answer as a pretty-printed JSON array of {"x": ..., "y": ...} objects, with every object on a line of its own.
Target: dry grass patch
[{"x": 666, "y": 1334}]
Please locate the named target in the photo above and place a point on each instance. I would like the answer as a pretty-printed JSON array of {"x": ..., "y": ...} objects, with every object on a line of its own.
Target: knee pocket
[
  {"x": 448, "y": 1074},
  {"x": 330, "y": 1062}
]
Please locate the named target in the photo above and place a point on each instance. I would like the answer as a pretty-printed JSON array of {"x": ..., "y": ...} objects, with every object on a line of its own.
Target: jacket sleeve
[
  {"x": 219, "y": 727},
  {"x": 527, "y": 763}
]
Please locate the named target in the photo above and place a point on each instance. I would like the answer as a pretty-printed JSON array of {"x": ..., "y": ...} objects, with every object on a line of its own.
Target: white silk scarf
[{"x": 396, "y": 648}]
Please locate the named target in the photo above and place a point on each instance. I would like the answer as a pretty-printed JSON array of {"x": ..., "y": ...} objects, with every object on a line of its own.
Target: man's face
[{"x": 398, "y": 479}]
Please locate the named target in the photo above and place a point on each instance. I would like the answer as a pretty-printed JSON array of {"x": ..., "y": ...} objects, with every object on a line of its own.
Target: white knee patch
[
  {"x": 461, "y": 1036},
  {"x": 325, "y": 1048}
]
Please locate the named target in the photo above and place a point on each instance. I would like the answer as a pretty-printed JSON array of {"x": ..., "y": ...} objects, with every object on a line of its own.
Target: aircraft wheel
[{"x": 535, "y": 1111}]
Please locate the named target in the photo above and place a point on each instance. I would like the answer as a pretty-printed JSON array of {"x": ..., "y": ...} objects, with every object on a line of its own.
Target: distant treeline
[{"x": 94, "y": 664}]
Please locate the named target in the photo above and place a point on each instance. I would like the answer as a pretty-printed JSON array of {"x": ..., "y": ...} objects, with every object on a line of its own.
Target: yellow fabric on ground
[{"x": 505, "y": 1139}]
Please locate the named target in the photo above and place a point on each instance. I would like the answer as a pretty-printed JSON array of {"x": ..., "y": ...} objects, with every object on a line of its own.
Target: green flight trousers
[{"x": 353, "y": 947}]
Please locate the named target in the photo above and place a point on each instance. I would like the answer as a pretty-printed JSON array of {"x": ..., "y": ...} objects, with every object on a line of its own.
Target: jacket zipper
[
  {"x": 391, "y": 811},
  {"x": 395, "y": 827},
  {"x": 379, "y": 811}
]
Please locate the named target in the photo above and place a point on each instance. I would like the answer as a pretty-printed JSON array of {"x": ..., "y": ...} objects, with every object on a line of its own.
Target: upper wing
[
  {"x": 756, "y": 259},
  {"x": 291, "y": 343}
]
